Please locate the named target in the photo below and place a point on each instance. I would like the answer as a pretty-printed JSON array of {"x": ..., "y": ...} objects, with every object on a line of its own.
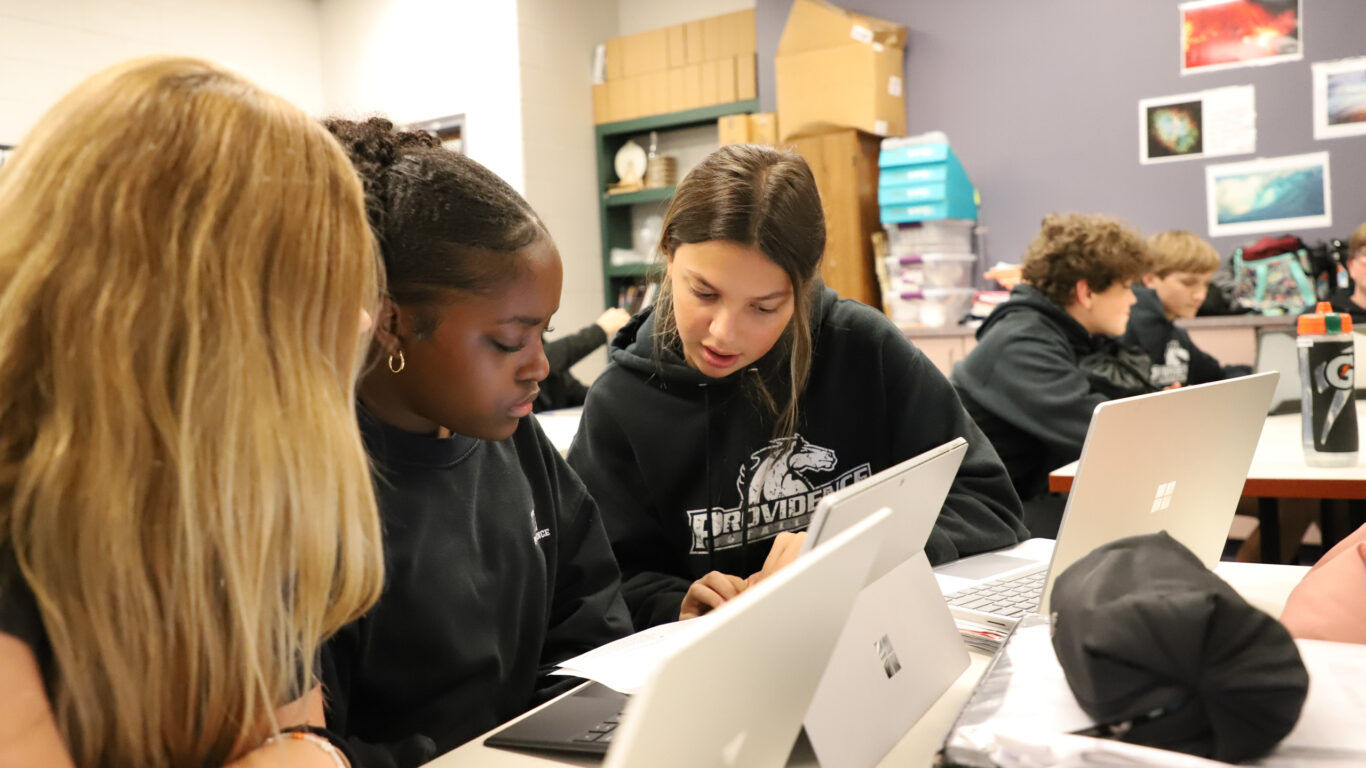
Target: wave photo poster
[{"x": 1275, "y": 194}]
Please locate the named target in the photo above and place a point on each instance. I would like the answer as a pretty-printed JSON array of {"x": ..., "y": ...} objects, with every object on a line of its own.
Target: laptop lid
[
  {"x": 1172, "y": 461},
  {"x": 899, "y": 649},
  {"x": 914, "y": 489},
  {"x": 734, "y": 694},
  {"x": 1276, "y": 352}
]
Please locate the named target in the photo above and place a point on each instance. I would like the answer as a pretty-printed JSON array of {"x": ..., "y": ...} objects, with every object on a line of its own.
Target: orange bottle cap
[{"x": 1324, "y": 321}]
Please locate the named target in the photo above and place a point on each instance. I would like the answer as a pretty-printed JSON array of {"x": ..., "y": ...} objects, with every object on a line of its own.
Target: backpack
[{"x": 1272, "y": 276}]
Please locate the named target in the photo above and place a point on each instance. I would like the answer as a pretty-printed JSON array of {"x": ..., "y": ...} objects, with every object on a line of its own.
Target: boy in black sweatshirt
[
  {"x": 1183, "y": 265},
  {"x": 1023, "y": 383}
]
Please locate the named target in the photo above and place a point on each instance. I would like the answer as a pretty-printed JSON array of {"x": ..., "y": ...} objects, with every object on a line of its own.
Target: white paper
[
  {"x": 560, "y": 426},
  {"x": 1334, "y": 714},
  {"x": 1277, "y": 194},
  {"x": 1222, "y": 121},
  {"x": 1340, "y": 98},
  {"x": 624, "y": 665}
]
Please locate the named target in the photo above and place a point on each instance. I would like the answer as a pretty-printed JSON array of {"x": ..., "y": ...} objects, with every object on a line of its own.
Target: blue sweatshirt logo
[{"x": 777, "y": 494}]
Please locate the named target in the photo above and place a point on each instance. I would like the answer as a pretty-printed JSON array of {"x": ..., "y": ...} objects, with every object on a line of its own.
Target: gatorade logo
[{"x": 1335, "y": 373}]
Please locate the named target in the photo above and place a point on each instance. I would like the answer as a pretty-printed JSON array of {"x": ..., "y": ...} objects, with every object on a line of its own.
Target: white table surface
[
  {"x": 1278, "y": 468},
  {"x": 1264, "y": 586}
]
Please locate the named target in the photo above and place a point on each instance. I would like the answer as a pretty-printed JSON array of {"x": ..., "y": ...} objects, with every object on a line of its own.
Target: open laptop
[
  {"x": 899, "y": 650},
  {"x": 1174, "y": 460},
  {"x": 734, "y": 693}
]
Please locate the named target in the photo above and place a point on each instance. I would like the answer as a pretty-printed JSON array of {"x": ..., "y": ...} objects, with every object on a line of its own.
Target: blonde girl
[{"x": 185, "y": 507}]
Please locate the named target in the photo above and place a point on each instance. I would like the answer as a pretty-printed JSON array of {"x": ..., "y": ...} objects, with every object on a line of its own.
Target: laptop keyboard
[
  {"x": 602, "y": 732},
  {"x": 1006, "y": 597}
]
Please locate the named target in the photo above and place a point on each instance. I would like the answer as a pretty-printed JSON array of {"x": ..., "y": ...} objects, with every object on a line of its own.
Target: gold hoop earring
[{"x": 401, "y": 363}]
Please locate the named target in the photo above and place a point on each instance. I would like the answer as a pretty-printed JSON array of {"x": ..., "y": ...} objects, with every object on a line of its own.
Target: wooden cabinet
[
  {"x": 844, "y": 162},
  {"x": 943, "y": 346}
]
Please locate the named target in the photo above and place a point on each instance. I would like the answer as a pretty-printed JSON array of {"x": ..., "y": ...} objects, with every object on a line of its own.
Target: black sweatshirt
[
  {"x": 1024, "y": 387},
  {"x": 1176, "y": 359},
  {"x": 560, "y": 389},
  {"x": 660, "y": 443},
  {"x": 497, "y": 569}
]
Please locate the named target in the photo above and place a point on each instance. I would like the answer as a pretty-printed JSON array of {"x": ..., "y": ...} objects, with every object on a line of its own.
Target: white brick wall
[{"x": 47, "y": 46}]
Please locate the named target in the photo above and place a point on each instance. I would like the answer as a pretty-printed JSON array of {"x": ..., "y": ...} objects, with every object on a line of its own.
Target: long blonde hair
[{"x": 183, "y": 262}]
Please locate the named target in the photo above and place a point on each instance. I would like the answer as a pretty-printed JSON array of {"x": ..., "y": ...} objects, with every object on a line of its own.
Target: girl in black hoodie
[
  {"x": 496, "y": 564},
  {"x": 750, "y": 390}
]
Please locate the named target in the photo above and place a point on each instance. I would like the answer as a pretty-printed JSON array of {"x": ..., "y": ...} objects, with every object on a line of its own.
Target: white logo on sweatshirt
[
  {"x": 777, "y": 494},
  {"x": 1175, "y": 366},
  {"x": 537, "y": 533}
]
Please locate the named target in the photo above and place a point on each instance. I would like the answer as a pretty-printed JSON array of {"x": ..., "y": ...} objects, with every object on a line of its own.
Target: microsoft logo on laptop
[
  {"x": 1163, "y": 498},
  {"x": 890, "y": 664}
]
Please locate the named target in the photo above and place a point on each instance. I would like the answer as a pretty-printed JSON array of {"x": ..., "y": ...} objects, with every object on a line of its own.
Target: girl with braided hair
[{"x": 498, "y": 566}]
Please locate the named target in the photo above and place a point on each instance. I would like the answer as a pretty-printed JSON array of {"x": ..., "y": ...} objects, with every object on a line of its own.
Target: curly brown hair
[{"x": 1077, "y": 246}]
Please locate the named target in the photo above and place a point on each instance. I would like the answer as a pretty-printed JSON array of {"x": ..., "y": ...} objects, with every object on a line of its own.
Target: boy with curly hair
[
  {"x": 1023, "y": 383},
  {"x": 1183, "y": 265}
]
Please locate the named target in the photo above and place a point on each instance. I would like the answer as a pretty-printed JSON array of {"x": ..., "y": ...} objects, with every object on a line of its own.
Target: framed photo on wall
[
  {"x": 1221, "y": 121},
  {"x": 1277, "y": 194},
  {"x": 1223, "y": 34},
  {"x": 1340, "y": 98}
]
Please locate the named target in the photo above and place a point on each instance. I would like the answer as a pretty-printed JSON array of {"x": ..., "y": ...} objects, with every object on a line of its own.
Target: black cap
[{"x": 1168, "y": 655}]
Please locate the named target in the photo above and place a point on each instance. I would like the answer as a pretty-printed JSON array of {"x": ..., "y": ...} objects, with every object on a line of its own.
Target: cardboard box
[
  {"x": 733, "y": 129},
  {"x": 692, "y": 37},
  {"x": 746, "y": 43},
  {"x": 657, "y": 92},
  {"x": 602, "y": 108},
  {"x": 713, "y": 39},
  {"x": 616, "y": 59},
  {"x": 711, "y": 76},
  {"x": 746, "y": 83},
  {"x": 656, "y": 50},
  {"x": 678, "y": 92},
  {"x": 737, "y": 33},
  {"x": 678, "y": 46},
  {"x": 692, "y": 86},
  {"x": 763, "y": 128},
  {"x": 618, "y": 99},
  {"x": 835, "y": 67},
  {"x": 725, "y": 80}
]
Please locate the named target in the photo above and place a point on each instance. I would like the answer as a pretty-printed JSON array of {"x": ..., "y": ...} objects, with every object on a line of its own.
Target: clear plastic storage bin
[
  {"x": 936, "y": 236},
  {"x": 933, "y": 307},
  {"x": 931, "y": 270}
]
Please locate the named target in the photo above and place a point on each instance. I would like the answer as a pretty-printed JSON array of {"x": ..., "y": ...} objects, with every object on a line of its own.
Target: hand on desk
[{"x": 714, "y": 589}]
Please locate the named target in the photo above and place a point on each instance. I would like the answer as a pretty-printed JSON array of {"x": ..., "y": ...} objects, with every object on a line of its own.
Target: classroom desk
[
  {"x": 1277, "y": 471},
  {"x": 1264, "y": 586}
]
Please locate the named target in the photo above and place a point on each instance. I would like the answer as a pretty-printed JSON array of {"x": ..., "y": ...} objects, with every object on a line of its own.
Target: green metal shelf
[
  {"x": 678, "y": 119},
  {"x": 629, "y": 270},
  {"x": 656, "y": 195},
  {"x": 614, "y": 211}
]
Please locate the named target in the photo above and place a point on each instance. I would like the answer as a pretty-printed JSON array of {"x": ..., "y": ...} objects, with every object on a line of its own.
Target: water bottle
[{"x": 1327, "y": 410}]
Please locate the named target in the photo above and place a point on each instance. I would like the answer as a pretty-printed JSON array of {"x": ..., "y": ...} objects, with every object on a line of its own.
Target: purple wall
[{"x": 1040, "y": 101}]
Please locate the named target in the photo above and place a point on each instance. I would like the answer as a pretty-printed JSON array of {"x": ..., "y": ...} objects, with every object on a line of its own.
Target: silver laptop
[
  {"x": 1174, "y": 460},
  {"x": 734, "y": 693},
  {"x": 899, "y": 650},
  {"x": 1276, "y": 352}
]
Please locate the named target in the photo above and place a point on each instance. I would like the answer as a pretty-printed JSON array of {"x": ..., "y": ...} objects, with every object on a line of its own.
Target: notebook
[
  {"x": 735, "y": 692},
  {"x": 1174, "y": 460}
]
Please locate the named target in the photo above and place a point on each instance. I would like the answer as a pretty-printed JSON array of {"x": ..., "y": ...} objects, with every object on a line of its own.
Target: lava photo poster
[
  {"x": 1340, "y": 98},
  {"x": 1277, "y": 194},
  {"x": 1222, "y": 34},
  {"x": 1222, "y": 121}
]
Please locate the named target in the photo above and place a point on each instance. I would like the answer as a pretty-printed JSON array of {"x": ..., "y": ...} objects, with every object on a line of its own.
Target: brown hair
[
  {"x": 757, "y": 196},
  {"x": 1181, "y": 251},
  {"x": 1358, "y": 239},
  {"x": 1075, "y": 246},
  {"x": 183, "y": 263}
]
